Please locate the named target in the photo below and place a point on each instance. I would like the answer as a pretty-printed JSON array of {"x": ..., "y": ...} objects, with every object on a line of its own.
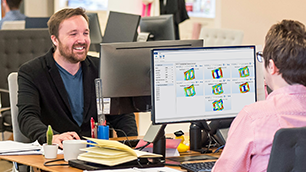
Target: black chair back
[{"x": 288, "y": 151}]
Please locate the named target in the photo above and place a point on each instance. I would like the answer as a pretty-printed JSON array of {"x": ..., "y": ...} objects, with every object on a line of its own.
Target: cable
[
  {"x": 217, "y": 150},
  {"x": 142, "y": 147},
  {"x": 138, "y": 161},
  {"x": 47, "y": 163},
  {"x": 127, "y": 138}
]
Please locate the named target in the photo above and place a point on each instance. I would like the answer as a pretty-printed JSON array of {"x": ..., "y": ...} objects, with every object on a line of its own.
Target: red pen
[{"x": 92, "y": 126}]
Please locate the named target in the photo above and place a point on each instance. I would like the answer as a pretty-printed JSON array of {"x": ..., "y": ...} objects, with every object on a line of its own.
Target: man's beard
[{"x": 68, "y": 54}]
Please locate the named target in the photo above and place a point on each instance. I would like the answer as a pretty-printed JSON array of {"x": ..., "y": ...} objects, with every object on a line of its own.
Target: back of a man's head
[
  {"x": 13, "y": 4},
  {"x": 285, "y": 44}
]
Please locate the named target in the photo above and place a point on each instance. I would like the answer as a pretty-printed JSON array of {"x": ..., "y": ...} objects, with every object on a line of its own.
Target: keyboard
[
  {"x": 198, "y": 166},
  {"x": 132, "y": 143}
]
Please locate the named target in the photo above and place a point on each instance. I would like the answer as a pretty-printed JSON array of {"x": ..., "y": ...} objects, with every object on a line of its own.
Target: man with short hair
[
  {"x": 58, "y": 88},
  {"x": 12, "y": 13},
  {"x": 251, "y": 134}
]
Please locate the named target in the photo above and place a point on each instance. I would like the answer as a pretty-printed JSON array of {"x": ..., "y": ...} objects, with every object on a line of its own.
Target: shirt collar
[
  {"x": 291, "y": 89},
  {"x": 12, "y": 12}
]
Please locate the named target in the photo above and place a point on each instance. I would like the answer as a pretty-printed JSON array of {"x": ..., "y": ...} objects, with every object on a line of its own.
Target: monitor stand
[
  {"x": 195, "y": 136},
  {"x": 159, "y": 146},
  {"x": 156, "y": 135}
]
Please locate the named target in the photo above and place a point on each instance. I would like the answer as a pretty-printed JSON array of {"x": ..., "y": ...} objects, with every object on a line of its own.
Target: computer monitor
[
  {"x": 196, "y": 84},
  {"x": 95, "y": 31},
  {"x": 121, "y": 27},
  {"x": 160, "y": 27},
  {"x": 36, "y": 22},
  {"x": 199, "y": 84},
  {"x": 125, "y": 68}
]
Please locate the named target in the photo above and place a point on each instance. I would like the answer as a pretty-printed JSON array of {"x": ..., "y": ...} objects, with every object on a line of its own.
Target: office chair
[
  {"x": 18, "y": 136},
  {"x": 288, "y": 150},
  {"x": 221, "y": 37},
  {"x": 16, "y": 48},
  {"x": 13, "y": 89}
]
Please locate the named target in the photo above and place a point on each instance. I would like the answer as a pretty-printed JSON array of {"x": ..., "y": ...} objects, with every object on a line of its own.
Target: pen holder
[{"x": 103, "y": 132}]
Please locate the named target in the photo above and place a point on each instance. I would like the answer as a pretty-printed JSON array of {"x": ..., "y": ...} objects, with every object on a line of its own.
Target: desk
[{"x": 37, "y": 161}]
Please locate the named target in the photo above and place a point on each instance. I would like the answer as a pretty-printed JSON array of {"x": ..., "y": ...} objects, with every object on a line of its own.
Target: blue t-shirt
[
  {"x": 12, "y": 16},
  {"x": 74, "y": 88}
]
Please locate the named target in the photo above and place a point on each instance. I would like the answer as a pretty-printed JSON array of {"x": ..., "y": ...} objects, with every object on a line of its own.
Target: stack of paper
[{"x": 16, "y": 148}]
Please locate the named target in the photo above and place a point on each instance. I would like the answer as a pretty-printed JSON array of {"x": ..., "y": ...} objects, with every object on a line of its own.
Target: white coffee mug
[{"x": 72, "y": 148}]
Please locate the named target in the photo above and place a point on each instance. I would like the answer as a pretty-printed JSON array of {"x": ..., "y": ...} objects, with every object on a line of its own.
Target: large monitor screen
[
  {"x": 125, "y": 67},
  {"x": 195, "y": 84}
]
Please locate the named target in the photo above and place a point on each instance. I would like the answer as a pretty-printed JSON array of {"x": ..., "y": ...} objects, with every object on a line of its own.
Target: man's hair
[
  {"x": 285, "y": 44},
  {"x": 13, "y": 4},
  {"x": 57, "y": 18}
]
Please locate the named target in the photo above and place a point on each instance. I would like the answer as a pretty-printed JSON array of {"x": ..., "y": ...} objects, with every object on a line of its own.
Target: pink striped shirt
[{"x": 251, "y": 134}]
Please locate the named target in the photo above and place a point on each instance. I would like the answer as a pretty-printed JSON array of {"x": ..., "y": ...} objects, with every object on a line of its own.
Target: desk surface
[{"x": 37, "y": 161}]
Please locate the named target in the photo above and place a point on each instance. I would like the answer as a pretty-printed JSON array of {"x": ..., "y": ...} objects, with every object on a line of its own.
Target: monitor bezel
[{"x": 153, "y": 119}]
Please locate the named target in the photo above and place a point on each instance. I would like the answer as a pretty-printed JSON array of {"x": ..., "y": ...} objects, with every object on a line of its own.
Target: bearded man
[{"x": 58, "y": 88}]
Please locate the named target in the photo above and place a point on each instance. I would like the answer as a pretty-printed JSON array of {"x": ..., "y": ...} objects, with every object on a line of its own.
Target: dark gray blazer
[{"x": 42, "y": 98}]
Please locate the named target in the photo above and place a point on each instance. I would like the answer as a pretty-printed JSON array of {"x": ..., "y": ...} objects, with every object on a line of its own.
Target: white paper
[
  {"x": 106, "y": 105},
  {"x": 169, "y": 152},
  {"x": 9, "y": 147}
]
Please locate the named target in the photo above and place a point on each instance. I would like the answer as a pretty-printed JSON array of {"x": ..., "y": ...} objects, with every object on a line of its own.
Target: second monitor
[
  {"x": 160, "y": 27},
  {"x": 125, "y": 67},
  {"x": 121, "y": 27}
]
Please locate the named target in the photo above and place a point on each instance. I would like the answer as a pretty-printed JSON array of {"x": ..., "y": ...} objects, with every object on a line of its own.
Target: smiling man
[{"x": 58, "y": 88}]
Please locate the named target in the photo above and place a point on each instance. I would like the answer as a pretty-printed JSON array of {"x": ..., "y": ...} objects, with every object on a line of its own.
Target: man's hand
[{"x": 59, "y": 138}]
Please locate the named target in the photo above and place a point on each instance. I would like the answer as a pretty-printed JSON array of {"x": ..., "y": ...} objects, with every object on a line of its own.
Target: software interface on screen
[{"x": 202, "y": 83}]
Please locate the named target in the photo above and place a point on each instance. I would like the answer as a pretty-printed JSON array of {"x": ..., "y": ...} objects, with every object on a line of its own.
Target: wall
[
  {"x": 256, "y": 17},
  {"x": 38, "y": 8}
]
